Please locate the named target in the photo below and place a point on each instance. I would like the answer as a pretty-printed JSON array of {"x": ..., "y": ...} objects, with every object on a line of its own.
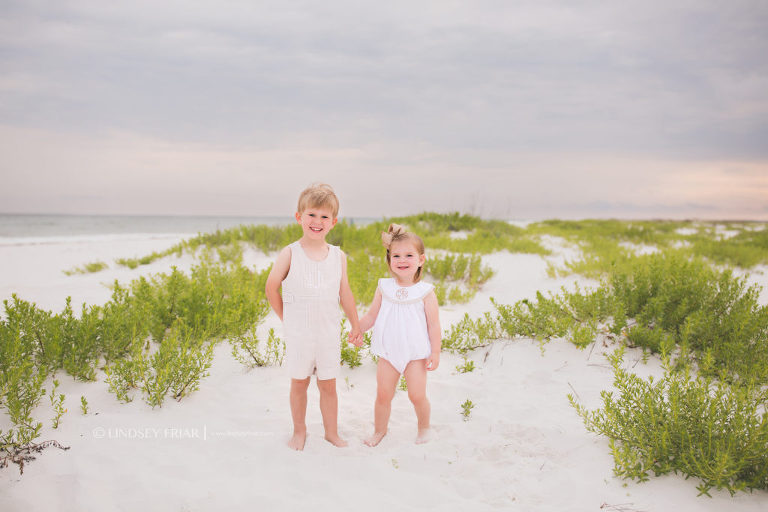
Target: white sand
[{"x": 222, "y": 448}]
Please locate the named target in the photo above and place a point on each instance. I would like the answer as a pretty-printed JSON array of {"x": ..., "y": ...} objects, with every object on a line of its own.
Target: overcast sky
[{"x": 529, "y": 109}]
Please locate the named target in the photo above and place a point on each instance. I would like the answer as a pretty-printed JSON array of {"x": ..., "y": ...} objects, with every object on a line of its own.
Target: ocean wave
[{"x": 85, "y": 239}]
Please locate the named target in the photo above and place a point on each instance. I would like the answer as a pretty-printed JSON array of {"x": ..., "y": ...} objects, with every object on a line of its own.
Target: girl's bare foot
[
  {"x": 375, "y": 439},
  {"x": 335, "y": 440},
  {"x": 297, "y": 441},
  {"x": 424, "y": 435}
]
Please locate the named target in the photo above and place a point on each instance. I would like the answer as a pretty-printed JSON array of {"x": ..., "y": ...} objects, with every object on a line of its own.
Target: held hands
[
  {"x": 355, "y": 337},
  {"x": 433, "y": 361}
]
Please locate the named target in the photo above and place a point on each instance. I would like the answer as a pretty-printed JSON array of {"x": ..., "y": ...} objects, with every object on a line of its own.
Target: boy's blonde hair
[
  {"x": 319, "y": 195},
  {"x": 397, "y": 233}
]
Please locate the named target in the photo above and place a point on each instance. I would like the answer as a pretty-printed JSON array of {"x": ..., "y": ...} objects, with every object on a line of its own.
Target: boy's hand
[
  {"x": 433, "y": 361},
  {"x": 355, "y": 337}
]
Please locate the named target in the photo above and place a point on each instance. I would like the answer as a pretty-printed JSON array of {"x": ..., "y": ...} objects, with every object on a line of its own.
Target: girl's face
[{"x": 404, "y": 261}]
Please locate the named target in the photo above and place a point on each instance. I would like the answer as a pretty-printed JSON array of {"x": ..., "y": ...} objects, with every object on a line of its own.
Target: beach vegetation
[
  {"x": 19, "y": 450},
  {"x": 456, "y": 276},
  {"x": 57, "y": 403},
  {"x": 245, "y": 349},
  {"x": 466, "y": 409},
  {"x": 470, "y": 334},
  {"x": 175, "y": 368},
  {"x": 708, "y": 313},
  {"x": 684, "y": 422},
  {"x": 746, "y": 249},
  {"x": 83, "y": 405},
  {"x": 706, "y": 417},
  {"x": 21, "y": 390},
  {"x": 608, "y": 244},
  {"x": 466, "y": 367},
  {"x": 154, "y": 334},
  {"x": 657, "y": 290},
  {"x": 88, "y": 268}
]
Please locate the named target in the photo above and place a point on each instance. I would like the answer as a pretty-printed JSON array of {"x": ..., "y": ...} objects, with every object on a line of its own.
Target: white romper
[
  {"x": 400, "y": 333},
  {"x": 311, "y": 314}
]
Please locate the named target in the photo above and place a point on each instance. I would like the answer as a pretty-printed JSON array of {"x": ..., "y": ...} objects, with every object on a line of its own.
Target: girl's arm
[
  {"x": 348, "y": 304},
  {"x": 432, "y": 311},
  {"x": 370, "y": 317},
  {"x": 275, "y": 279}
]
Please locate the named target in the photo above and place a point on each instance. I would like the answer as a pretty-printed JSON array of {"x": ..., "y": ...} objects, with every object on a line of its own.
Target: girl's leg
[
  {"x": 386, "y": 382},
  {"x": 329, "y": 408},
  {"x": 416, "y": 379},
  {"x": 298, "y": 399}
]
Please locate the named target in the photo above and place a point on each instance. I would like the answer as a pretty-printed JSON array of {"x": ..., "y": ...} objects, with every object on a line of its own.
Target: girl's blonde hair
[{"x": 397, "y": 233}]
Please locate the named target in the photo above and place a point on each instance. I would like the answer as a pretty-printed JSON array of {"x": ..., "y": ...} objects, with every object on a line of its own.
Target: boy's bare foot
[
  {"x": 424, "y": 435},
  {"x": 335, "y": 440},
  {"x": 374, "y": 439},
  {"x": 297, "y": 441}
]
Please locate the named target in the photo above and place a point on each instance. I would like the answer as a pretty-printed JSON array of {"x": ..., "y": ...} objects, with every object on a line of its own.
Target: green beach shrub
[
  {"x": 57, "y": 403},
  {"x": 213, "y": 301},
  {"x": 88, "y": 268},
  {"x": 466, "y": 409},
  {"x": 175, "y": 368},
  {"x": 469, "y": 334},
  {"x": 601, "y": 242},
  {"x": 126, "y": 374},
  {"x": 245, "y": 349},
  {"x": 21, "y": 389},
  {"x": 704, "y": 310},
  {"x": 467, "y": 367},
  {"x": 702, "y": 428}
]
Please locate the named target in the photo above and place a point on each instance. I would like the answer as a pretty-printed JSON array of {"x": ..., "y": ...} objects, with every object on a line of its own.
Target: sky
[{"x": 511, "y": 109}]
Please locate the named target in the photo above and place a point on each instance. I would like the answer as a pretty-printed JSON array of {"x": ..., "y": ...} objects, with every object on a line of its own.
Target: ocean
[{"x": 21, "y": 228}]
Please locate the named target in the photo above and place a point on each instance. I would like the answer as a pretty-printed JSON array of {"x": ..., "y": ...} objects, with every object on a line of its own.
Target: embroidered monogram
[{"x": 401, "y": 293}]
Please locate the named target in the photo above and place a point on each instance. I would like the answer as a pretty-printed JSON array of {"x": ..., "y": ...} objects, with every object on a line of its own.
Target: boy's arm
[
  {"x": 348, "y": 303},
  {"x": 275, "y": 280},
  {"x": 431, "y": 310},
  {"x": 370, "y": 317}
]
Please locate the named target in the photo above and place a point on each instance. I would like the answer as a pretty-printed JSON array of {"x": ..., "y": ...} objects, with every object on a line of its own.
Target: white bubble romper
[
  {"x": 400, "y": 333},
  {"x": 311, "y": 314}
]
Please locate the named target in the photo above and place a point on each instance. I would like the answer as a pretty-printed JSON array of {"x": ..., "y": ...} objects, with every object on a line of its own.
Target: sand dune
[{"x": 522, "y": 448}]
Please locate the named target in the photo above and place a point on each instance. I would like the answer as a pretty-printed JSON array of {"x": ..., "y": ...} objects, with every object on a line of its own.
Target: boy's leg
[
  {"x": 386, "y": 382},
  {"x": 298, "y": 399},
  {"x": 416, "y": 379},
  {"x": 329, "y": 408}
]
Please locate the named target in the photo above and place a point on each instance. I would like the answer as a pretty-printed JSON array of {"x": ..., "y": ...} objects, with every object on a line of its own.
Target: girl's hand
[
  {"x": 355, "y": 337},
  {"x": 433, "y": 361}
]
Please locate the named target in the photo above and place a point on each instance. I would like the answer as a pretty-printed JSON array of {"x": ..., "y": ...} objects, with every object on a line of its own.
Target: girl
[{"x": 406, "y": 331}]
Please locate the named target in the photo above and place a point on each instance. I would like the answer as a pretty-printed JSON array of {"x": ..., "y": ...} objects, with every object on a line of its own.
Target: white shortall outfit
[
  {"x": 311, "y": 314},
  {"x": 400, "y": 333}
]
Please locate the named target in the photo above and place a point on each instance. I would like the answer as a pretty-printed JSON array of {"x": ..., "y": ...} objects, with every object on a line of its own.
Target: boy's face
[{"x": 316, "y": 222}]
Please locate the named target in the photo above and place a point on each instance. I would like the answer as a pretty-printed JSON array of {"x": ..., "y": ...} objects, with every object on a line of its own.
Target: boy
[{"x": 313, "y": 275}]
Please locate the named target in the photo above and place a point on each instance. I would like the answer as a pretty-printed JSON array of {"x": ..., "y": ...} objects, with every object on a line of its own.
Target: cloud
[
  {"x": 490, "y": 76},
  {"x": 532, "y": 101}
]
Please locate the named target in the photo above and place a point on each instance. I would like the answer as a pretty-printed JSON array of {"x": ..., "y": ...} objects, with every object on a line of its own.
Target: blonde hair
[
  {"x": 397, "y": 233},
  {"x": 318, "y": 195}
]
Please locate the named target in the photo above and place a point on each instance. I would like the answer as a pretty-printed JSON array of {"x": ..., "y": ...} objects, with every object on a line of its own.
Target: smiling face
[
  {"x": 405, "y": 260},
  {"x": 316, "y": 222}
]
